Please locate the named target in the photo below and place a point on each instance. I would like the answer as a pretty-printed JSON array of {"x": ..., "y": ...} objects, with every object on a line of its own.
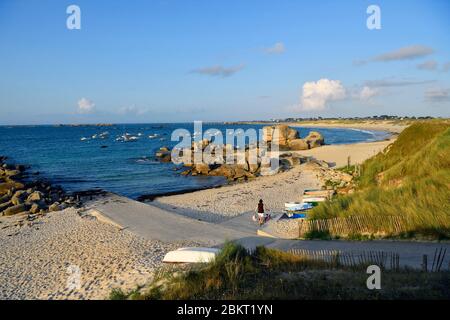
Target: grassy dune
[
  {"x": 411, "y": 178},
  {"x": 272, "y": 274}
]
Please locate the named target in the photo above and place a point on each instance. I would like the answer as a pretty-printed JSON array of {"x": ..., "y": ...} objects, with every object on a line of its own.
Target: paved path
[{"x": 154, "y": 223}]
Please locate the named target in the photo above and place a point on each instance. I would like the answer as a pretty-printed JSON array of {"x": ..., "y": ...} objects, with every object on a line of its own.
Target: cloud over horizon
[
  {"x": 437, "y": 95},
  {"x": 85, "y": 106},
  {"x": 367, "y": 93},
  {"x": 316, "y": 95},
  {"x": 132, "y": 110},
  {"x": 218, "y": 70}
]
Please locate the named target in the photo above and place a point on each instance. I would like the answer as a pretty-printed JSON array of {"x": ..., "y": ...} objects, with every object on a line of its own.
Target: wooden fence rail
[
  {"x": 354, "y": 225},
  {"x": 335, "y": 258}
]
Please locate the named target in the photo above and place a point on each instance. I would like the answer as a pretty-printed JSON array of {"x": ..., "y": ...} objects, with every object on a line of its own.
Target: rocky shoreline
[
  {"x": 30, "y": 198},
  {"x": 250, "y": 161}
]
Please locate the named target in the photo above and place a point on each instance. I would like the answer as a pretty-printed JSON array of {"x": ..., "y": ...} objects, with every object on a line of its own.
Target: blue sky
[{"x": 182, "y": 60}]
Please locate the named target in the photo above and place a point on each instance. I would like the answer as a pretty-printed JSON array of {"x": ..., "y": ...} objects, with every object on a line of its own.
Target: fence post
[{"x": 424, "y": 263}]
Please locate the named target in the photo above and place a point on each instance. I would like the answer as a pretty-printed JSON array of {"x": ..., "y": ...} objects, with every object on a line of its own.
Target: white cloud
[
  {"x": 277, "y": 48},
  {"x": 85, "y": 106},
  {"x": 437, "y": 95},
  {"x": 132, "y": 110},
  {"x": 219, "y": 71},
  {"x": 446, "y": 67},
  {"x": 428, "y": 65},
  {"x": 367, "y": 93},
  {"x": 316, "y": 95},
  {"x": 396, "y": 83},
  {"x": 405, "y": 53}
]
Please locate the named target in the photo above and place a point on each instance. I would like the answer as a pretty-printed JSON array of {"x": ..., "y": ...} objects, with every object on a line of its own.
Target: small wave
[
  {"x": 145, "y": 160},
  {"x": 364, "y": 131}
]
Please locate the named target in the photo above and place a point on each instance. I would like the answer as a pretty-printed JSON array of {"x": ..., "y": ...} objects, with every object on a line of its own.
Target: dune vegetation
[
  {"x": 265, "y": 273},
  {"x": 410, "y": 178}
]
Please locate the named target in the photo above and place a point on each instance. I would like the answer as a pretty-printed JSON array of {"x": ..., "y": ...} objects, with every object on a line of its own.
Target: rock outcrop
[
  {"x": 289, "y": 139},
  {"x": 251, "y": 163},
  {"x": 18, "y": 196},
  {"x": 163, "y": 154},
  {"x": 314, "y": 140},
  {"x": 248, "y": 163},
  {"x": 298, "y": 144},
  {"x": 285, "y": 134}
]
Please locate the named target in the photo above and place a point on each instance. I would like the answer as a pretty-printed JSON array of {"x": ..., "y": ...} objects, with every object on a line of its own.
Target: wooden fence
[
  {"x": 335, "y": 258},
  {"x": 364, "y": 225}
]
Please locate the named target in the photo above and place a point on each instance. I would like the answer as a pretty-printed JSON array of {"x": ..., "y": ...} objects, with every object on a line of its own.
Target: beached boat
[
  {"x": 191, "y": 255},
  {"x": 297, "y": 206},
  {"x": 318, "y": 193},
  {"x": 310, "y": 199}
]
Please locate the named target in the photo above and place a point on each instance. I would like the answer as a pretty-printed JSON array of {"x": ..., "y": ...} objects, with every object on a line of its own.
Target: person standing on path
[{"x": 261, "y": 214}]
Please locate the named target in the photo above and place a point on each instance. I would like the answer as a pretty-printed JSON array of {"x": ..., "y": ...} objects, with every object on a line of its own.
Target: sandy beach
[
  {"x": 233, "y": 200},
  {"x": 362, "y": 125},
  {"x": 37, "y": 258},
  {"x": 337, "y": 155}
]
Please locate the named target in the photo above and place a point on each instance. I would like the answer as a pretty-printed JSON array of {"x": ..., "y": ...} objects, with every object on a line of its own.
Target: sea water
[{"x": 87, "y": 157}]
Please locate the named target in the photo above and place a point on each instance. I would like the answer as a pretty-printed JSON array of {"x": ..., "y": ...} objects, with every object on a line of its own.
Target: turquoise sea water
[{"x": 60, "y": 155}]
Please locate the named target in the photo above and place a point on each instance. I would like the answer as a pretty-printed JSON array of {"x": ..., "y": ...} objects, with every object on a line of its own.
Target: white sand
[
  {"x": 34, "y": 259},
  {"x": 337, "y": 155},
  {"x": 233, "y": 200},
  {"x": 364, "y": 125}
]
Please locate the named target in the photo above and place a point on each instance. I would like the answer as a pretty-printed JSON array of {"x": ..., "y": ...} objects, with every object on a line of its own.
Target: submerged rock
[{"x": 163, "y": 155}]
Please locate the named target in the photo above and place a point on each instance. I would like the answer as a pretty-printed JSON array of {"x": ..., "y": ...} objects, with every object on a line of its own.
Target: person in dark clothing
[{"x": 260, "y": 211}]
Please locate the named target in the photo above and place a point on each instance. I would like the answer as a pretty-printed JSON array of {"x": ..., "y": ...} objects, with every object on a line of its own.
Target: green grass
[
  {"x": 411, "y": 178},
  {"x": 272, "y": 274},
  {"x": 315, "y": 234}
]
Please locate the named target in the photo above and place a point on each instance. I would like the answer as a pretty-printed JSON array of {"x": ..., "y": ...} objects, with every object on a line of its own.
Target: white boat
[
  {"x": 130, "y": 139},
  {"x": 104, "y": 135},
  {"x": 307, "y": 199},
  {"x": 191, "y": 255},
  {"x": 297, "y": 206},
  {"x": 127, "y": 138},
  {"x": 289, "y": 205},
  {"x": 318, "y": 193}
]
